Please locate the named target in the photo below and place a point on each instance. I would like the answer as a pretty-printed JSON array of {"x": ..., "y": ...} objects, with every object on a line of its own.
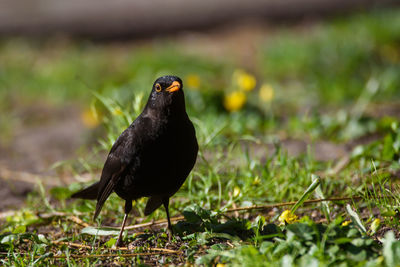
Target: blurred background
[{"x": 74, "y": 74}]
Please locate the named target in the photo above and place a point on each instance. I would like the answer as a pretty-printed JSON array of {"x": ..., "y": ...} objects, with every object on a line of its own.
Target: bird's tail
[
  {"x": 152, "y": 204},
  {"x": 88, "y": 193}
]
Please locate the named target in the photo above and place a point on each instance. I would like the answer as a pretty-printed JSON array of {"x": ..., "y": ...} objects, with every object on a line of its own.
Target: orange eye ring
[{"x": 158, "y": 88}]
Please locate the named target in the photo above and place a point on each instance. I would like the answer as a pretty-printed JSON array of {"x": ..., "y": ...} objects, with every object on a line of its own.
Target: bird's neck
[
  {"x": 169, "y": 112},
  {"x": 176, "y": 109}
]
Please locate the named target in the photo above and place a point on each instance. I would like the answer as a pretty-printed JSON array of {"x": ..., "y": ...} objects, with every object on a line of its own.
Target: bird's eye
[{"x": 158, "y": 87}]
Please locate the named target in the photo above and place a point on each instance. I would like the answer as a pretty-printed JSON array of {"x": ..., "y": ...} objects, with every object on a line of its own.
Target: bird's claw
[
  {"x": 170, "y": 233},
  {"x": 119, "y": 243}
]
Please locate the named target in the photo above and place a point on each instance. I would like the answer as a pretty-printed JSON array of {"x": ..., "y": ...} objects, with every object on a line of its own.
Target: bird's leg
[
  {"x": 119, "y": 240},
  {"x": 128, "y": 208},
  {"x": 170, "y": 232}
]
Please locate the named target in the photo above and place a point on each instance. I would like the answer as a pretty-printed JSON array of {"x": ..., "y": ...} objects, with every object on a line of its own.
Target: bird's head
[{"x": 167, "y": 93}]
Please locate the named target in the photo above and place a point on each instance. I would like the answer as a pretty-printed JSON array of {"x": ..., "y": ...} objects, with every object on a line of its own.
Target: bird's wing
[{"x": 121, "y": 154}]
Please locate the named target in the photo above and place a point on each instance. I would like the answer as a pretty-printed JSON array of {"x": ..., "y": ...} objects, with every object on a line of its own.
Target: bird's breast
[{"x": 163, "y": 164}]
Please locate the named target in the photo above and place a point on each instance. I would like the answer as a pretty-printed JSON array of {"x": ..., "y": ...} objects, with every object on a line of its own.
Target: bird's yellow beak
[{"x": 175, "y": 86}]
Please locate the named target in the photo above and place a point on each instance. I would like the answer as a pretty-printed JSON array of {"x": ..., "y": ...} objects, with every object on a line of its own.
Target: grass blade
[{"x": 306, "y": 194}]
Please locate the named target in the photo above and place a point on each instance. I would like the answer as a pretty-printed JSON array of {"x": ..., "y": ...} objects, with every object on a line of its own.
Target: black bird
[{"x": 152, "y": 157}]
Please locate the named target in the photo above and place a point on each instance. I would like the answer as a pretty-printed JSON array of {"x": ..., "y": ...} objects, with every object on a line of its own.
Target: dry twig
[
  {"x": 96, "y": 255},
  {"x": 151, "y": 250}
]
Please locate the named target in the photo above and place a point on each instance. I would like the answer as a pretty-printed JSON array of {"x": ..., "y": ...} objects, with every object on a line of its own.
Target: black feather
[{"x": 88, "y": 193}]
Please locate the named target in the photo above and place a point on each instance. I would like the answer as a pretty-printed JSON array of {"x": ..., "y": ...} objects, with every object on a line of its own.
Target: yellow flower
[
  {"x": 345, "y": 223},
  {"x": 287, "y": 217},
  {"x": 117, "y": 111},
  {"x": 375, "y": 225},
  {"x": 90, "y": 118},
  {"x": 266, "y": 93},
  {"x": 234, "y": 101},
  {"x": 220, "y": 265},
  {"x": 257, "y": 181},
  {"x": 244, "y": 80},
  {"x": 193, "y": 81},
  {"x": 236, "y": 191}
]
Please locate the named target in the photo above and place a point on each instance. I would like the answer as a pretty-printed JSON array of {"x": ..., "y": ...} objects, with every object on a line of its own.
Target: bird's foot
[
  {"x": 169, "y": 237},
  {"x": 170, "y": 234},
  {"x": 119, "y": 243}
]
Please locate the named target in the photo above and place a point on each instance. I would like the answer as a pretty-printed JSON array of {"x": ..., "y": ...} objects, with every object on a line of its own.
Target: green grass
[{"x": 329, "y": 80}]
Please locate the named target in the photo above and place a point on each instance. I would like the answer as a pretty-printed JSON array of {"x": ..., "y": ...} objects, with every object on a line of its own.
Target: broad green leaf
[
  {"x": 19, "y": 229},
  {"x": 99, "y": 231},
  {"x": 388, "y": 151},
  {"x": 391, "y": 250},
  {"x": 302, "y": 231},
  {"x": 111, "y": 242},
  {"x": 343, "y": 240},
  {"x": 8, "y": 239},
  {"x": 356, "y": 219}
]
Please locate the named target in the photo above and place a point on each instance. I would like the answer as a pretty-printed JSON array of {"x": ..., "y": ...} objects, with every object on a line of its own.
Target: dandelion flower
[
  {"x": 345, "y": 223},
  {"x": 244, "y": 80},
  {"x": 257, "y": 181},
  {"x": 236, "y": 191},
  {"x": 287, "y": 217},
  {"x": 234, "y": 101},
  {"x": 193, "y": 81},
  {"x": 375, "y": 225},
  {"x": 266, "y": 93},
  {"x": 90, "y": 118}
]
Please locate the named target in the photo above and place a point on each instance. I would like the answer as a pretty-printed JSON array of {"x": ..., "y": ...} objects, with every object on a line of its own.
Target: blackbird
[{"x": 152, "y": 157}]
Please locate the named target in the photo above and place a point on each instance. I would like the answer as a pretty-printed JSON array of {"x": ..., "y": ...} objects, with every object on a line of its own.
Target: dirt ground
[{"x": 46, "y": 135}]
